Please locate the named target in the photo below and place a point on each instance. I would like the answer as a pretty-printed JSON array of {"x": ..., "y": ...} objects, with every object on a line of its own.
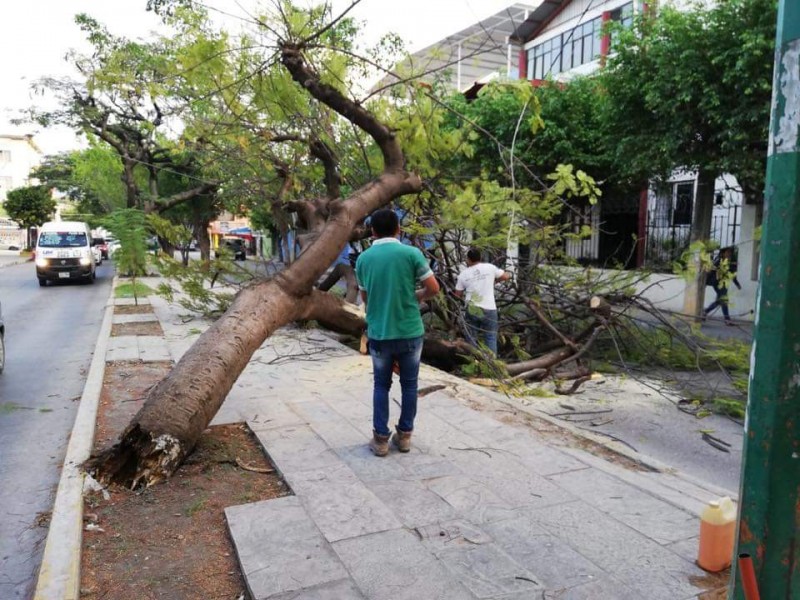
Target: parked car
[
  {"x": 2, "y": 341},
  {"x": 235, "y": 246},
  {"x": 101, "y": 244},
  {"x": 98, "y": 256},
  {"x": 113, "y": 245}
]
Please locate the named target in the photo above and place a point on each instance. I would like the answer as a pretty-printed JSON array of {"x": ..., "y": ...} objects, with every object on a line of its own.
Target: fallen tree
[{"x": 179, "y": 408}]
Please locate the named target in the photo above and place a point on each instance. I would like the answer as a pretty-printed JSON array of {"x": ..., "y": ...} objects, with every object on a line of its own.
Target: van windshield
[{"x": 62, "y": 239}]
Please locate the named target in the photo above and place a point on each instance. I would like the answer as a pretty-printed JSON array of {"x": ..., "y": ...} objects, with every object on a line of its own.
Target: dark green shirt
[{"x": 388, "y": 271}]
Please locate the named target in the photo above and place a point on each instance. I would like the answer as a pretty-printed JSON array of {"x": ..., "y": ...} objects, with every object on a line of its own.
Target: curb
[
  {"x": 59, "y": 574},
  {"x": 14, "y": 263}
]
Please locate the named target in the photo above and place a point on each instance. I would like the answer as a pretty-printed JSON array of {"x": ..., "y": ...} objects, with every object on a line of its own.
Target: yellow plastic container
[{"x": 717, "y": 532}]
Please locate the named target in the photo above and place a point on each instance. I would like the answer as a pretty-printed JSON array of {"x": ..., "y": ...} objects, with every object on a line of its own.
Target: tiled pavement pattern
[{"x": 480, "y": 508}]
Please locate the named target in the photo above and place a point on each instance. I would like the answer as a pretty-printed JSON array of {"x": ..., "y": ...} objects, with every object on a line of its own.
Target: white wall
[{"x": 15, "y": 166}]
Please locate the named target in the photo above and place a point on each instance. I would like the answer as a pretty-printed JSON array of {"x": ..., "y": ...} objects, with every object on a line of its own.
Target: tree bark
[
  {"x": 701, "y": 231},
  {"x": 179, "y": 408}
]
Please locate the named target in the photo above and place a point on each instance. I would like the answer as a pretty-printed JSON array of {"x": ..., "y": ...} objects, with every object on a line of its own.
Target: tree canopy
[
  {"x": 691, "y": 89},
  {"x": 30, "y": 206}
]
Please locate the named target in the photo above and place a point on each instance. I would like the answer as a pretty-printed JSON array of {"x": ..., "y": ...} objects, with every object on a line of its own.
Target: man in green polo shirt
[{"x": 387, "y": 275}]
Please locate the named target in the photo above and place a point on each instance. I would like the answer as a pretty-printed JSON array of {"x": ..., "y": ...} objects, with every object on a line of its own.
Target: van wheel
[{"x": 42, "y": 282}]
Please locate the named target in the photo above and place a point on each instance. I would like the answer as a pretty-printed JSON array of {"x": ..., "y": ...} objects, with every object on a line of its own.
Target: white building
[
  {"x": 478, "y": 53},
  {"x": 19, "y": 154},
  {"x": 563, "y": 39}
]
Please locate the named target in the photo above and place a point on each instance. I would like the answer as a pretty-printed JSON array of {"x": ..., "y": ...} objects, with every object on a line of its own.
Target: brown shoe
[
  {"x": 379, "y": 444},
  {"x": 402, "y": 440}
]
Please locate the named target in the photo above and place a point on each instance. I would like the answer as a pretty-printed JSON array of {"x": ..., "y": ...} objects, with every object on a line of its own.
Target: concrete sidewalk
[{"x": 492, "y": 502}]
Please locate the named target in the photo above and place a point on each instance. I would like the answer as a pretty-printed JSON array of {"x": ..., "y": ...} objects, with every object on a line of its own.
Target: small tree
[
  {"x": 30, "y": 207},
  {"x": 129, "y": 225}
]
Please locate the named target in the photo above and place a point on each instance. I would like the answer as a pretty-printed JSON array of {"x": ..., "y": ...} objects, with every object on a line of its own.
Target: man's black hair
[
  {"x": 474, "y": 255},
  {"x": 384, "y": 222}
]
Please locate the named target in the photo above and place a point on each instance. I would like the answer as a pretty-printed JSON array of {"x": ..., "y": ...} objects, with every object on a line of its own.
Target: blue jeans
[
  {"x": 482, "y": 327},
  {"x": 722, "y": 300},
  {"x": 384, "y": 353}
]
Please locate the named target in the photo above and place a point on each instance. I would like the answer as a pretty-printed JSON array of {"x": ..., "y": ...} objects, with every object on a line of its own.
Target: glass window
[
  {"x": 588, "y": 52},
  {"x": 62, "y": 239},
  {"x": 623, "y": 14},
  {"x": 684, "y": 200},
  {"x": 597, "y": 37},
  {"x": 577, "y": 52}
]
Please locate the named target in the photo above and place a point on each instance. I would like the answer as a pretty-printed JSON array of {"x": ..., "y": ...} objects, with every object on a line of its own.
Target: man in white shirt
[{"x": 477, "y": 283}]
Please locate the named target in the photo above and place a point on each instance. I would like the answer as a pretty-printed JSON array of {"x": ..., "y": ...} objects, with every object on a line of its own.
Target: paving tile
[
  {"x": 395, "y": 565},
  {"x": 520, "y": 488},
  {"x": 439, "y": 536},
  {"x": 296, "y": 448},
  {"x": 344, "y": 589},
  {"x": 606, "y": 542},
  {"x": 556, "y": 564},
  {"x": 123, "y": 347},
  {"x": 265, "y": 413},
  {"x": 487, "y": 571},
  {"x": 471, "y": 422},
  {"x": 142, "y": 318},
  {"x": 329, "y": 424},
  {"x": 369, "y": 467},
  {"x": 130, "y": 301},
  {"x": 686, "y": 549},
  {"x": 541, "y": 459},
  {"x": 340, "y": 504},
  {"x": 279, "y": 548},
  {"x": 673, "y": 489},
  {"x": 471, "y": 500},
  {"x": 412, "y": 502},
  {"x": 653, "y": 517},
  {"x": 663, "y": 582},
  {"x": 152, "y": 348},
  {"x": 605, "y": 588}
]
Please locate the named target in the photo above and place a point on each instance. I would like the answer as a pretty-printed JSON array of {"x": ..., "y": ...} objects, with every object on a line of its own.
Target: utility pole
[{"x": 769, "y": 513}]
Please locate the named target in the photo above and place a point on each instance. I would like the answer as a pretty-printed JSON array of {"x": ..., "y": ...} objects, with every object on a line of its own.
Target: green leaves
[
  {"x": 30, "y": 206},
  {"x": 129, "y": 226},
  {"x": 691, "y": 88}
]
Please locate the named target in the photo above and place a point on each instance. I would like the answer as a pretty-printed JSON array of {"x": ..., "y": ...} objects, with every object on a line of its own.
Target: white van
[{"x": 64, "y": 252}]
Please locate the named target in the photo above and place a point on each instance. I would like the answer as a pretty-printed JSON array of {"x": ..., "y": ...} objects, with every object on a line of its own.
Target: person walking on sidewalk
[
  {"x": 720, "y": 285},
  {"x": 477, "y": 282},
  {"x": 387, "y": 275}
]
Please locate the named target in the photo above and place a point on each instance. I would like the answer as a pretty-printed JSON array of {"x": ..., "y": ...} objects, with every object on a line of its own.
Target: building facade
[
  {"x": 19, "y": 154},
  {"x": 477, "y": 54},
  {"x": 562, "y": 39}
]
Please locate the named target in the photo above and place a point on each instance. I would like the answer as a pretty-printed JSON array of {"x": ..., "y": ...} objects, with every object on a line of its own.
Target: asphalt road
[{"x": 50, "y": 337}]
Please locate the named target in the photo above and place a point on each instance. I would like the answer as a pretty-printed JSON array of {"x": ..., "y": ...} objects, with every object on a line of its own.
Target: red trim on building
[
  {"x": 523, "y": 64},
  {"x": 641, "y": 240},
  {"x": 605, "y": 41}
]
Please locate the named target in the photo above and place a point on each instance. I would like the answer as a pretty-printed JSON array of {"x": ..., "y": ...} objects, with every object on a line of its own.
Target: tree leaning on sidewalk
[{"x": 180, "y": 407}]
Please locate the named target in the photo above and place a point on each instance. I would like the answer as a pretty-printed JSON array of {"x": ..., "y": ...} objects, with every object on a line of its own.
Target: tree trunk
[
  {"x": 701, "y": 231},
  {"x": 203, "y": 240}
]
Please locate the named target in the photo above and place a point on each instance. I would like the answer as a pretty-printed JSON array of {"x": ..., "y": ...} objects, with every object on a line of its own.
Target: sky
[{"x": 38, "y": 35}]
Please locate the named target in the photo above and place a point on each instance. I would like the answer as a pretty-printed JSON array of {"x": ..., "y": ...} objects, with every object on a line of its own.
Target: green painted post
[{"x": 769, "y": 514}]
